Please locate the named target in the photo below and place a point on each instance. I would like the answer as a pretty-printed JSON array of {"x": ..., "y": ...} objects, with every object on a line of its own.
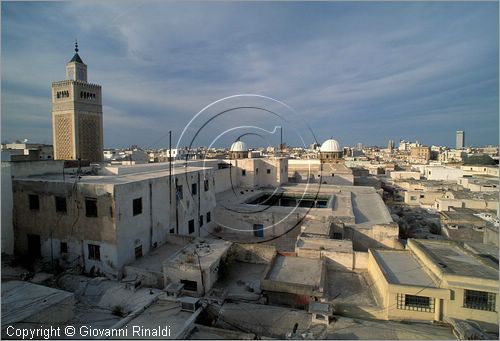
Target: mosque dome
[
  {"x": 330, "y": 146},
  {"x": 239, "y": 146}
]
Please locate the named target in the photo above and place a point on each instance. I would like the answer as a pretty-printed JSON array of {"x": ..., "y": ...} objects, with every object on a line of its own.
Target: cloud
[{"x": 362, "y": 71}]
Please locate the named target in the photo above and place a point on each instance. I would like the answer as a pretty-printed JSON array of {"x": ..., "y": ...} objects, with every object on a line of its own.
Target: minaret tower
[{"x": 77, "y": 128}]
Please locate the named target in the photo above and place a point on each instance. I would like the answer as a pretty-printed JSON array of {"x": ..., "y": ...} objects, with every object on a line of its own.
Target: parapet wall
[{"x": 253, "y": 253}]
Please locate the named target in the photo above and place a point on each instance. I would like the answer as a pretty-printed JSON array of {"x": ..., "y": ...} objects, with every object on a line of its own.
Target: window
[
  {"x": 415, "y": 303},
  {"x": 194, "y": 189},
  {"x": 94, "y": 252},
  {"x": 337, "y": 235},
  {"x": 201, "y": 220},
  {"x": 64, "y": 247},
  {"x": 61, "y": 204},
  {"x": 172, "y": 230},
  {"x": 243, "y": 172},
  {"x": 189, "y": 285},
  {"x": 268, "y": 171},
  {"x": 413, "y": 198},
  {"x": 179, "y": 192},
  {"x": 91, "y": 207},
  {"x": 34, "y": 202},
  {"x": 257, "y": 171},
  {"x": 258, "y": 230},
  {"x": 191, "y": 226},
  {"x": 479, "y": 300},
  {"x": 320, "y": 317},
  {"x": 206, "y": 185},
  {"x": 209, "y": 217},
  {"x": 137, "y": 206},
  {"x": 138, "y": 252}
]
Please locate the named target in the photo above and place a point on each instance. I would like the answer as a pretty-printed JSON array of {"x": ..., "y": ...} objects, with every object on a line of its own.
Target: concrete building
[
  {"x": 420, "y": 154},
  {"x": 438, "y": 172},
  {"x": 77, "y": 115},
  {"x": 103, "y": 222},
  {"x": 315, "y": 171},
  {"x": 465, "y": 199},
  {"x": 460, "y": 139},
  {"x": 265, "y": 213},
  {"x": 462, "y": 224},
  {"x": 435, "y": 280},
  {"x": 294, "y": 281},
  {"x": 404, "y": 175},
  {"x": 481, "y": 170},
  {"x": 197, "y": 265},
  {"x": 452, "y": 156},
  {"x": 28, "y": 151}
]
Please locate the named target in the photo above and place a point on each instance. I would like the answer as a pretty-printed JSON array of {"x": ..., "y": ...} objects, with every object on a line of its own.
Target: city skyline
[{"x": 360, "y": 72}]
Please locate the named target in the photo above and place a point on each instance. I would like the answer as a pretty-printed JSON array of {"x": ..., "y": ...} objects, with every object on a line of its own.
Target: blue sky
[{"x": 360, "y": 72}]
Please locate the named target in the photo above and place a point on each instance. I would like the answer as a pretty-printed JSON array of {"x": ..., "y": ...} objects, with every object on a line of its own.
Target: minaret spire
[{"x": 76, "y": 46}]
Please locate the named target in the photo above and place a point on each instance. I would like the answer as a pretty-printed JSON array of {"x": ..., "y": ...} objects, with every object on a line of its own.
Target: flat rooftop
[
  {"x": 369, "y": 209},
  {"x": 113, "y": 179},
  {"x": 456, "y": 261},
  {"x": 20, "y": 300},
  {"x": 200, "y": 252},
  {"x": 296, "y": 270},
  {"x": 362, "y": 203},
  {"x": 346, "y": 328},
  {"x": 153, "y": 260},
  {"x": 316, "y": 227},
  {"x": 401, "y": 267},
  {"x": 335, "y": 245},
  {"x": 160, "y": 314}
]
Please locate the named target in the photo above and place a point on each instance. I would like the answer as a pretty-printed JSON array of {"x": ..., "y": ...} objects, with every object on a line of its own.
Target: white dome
[
  {"x": 239, "y": 146},
  {"x": 330, "y": 145}
]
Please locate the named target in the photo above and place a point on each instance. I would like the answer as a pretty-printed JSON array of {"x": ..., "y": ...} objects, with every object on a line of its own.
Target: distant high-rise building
[
  {"x": 77, "y": 128},
  {"x": 460, "y": 139},
  {"x": 359, "y": 146}
]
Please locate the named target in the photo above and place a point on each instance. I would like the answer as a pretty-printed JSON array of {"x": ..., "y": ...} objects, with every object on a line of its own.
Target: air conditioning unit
[{"x": 189, "y": 304}]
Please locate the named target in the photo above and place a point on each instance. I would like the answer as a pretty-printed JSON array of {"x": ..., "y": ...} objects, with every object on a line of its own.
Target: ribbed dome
[
  {"x": 329, "y": 146},
  {"x": 239, "y": 146}
]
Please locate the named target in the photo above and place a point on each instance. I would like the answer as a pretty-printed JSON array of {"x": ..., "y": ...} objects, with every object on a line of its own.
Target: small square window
[
  {"x": 268, "y": 171},
  {"x": 209, "y": 217},
  {"x": 137, "y": 206},
  {"x": 61, "y": 204},
  {"x": 138, "y": 252},
  {"x": 34, "y": 202},
  {"x": 194, "y": 189},
  {"x": 94, "y": 252},
  {"x": 191, "y": 226},
  {"x": 91, "y": 207},
  {"x": 64, "y": 247},
  {"x": 206, "y": 185}
]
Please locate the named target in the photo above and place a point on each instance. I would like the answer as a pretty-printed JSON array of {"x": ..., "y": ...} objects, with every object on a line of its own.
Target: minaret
[{"x": 77, "y": 128}]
